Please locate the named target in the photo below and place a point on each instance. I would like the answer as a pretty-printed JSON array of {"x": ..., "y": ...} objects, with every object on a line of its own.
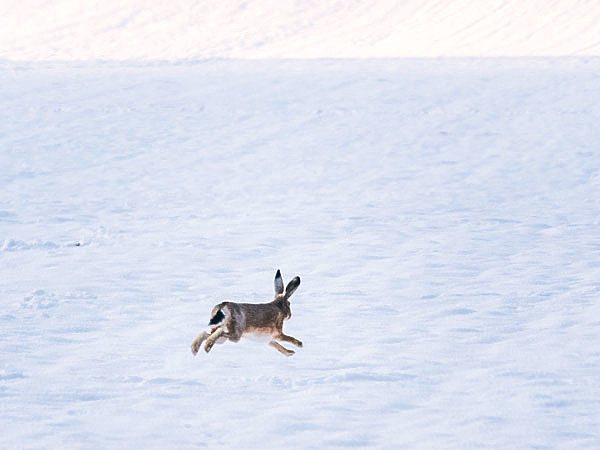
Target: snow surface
[
  {"x": 443, "y": 214},
  {"x": 192, "y": 29}
]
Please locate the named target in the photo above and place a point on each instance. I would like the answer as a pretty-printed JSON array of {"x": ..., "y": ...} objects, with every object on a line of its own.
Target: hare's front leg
[
  {"x": 291, "y": 339},
  {"x": 210, "y": 341},
  {"x": 280, "y": 348},
  {"x": 198, "y": 341}
]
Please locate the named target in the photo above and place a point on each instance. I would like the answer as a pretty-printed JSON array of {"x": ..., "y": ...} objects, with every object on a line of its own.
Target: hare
[{"x": 230, "y": 320}]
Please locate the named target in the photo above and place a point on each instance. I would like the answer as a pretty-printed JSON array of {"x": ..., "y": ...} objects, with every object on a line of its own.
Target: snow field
[
  {"x": 100, "y": 30},
  {"x": 442, "y": 214}
]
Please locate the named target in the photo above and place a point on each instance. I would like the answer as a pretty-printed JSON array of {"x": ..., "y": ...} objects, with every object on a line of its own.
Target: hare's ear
[
  {"x": 278, "y": 283},
  {"x": 292, "y": 286}
]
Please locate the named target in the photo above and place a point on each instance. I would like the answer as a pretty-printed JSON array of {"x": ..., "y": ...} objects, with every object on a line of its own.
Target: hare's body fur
[{"x": 231, "y": 321}]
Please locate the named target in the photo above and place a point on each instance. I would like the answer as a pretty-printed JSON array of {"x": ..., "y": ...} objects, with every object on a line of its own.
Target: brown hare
[{"x": 230, "y": 320}]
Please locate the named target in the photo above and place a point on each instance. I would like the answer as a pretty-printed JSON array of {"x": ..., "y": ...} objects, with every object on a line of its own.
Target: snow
[
  {"x": 442, "y": 213},
  {"x": 188, "y": 29},
  {"x": 443, "y": 217}
]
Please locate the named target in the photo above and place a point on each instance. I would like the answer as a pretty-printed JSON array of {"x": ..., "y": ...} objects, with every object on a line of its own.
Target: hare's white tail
[{"x": 217, "y": 318}]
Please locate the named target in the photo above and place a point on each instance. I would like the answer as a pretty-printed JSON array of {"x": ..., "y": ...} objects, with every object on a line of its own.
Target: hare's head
[{"x": 284, "y": 296}]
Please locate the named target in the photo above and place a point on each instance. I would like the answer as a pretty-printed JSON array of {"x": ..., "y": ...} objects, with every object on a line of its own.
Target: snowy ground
[
  {"x": 443, "y": 216},
  {"x": 91, "y": 30}
]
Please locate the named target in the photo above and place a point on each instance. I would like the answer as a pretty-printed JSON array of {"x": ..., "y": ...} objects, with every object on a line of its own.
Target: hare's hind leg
[
  {"x": 210, "y": 341},
  {"x": 280, "y": 348},
  {"x": 290, "y": 339},
  {"x": 198, "y": 341}
]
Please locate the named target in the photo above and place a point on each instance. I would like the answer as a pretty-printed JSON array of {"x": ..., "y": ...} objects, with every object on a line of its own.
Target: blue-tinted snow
[{"x": 444, "y": 216}]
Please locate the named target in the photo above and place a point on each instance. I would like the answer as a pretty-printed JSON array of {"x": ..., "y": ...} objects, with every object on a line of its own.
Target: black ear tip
[{"x": 278, "y": 274}]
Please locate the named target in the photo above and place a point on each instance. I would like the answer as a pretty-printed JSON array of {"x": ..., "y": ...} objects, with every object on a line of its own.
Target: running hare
[{"x": 230, "y": 320}]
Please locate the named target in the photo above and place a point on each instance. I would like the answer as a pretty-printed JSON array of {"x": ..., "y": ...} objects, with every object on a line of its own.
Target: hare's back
[{"x": 262, "y": 315}]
